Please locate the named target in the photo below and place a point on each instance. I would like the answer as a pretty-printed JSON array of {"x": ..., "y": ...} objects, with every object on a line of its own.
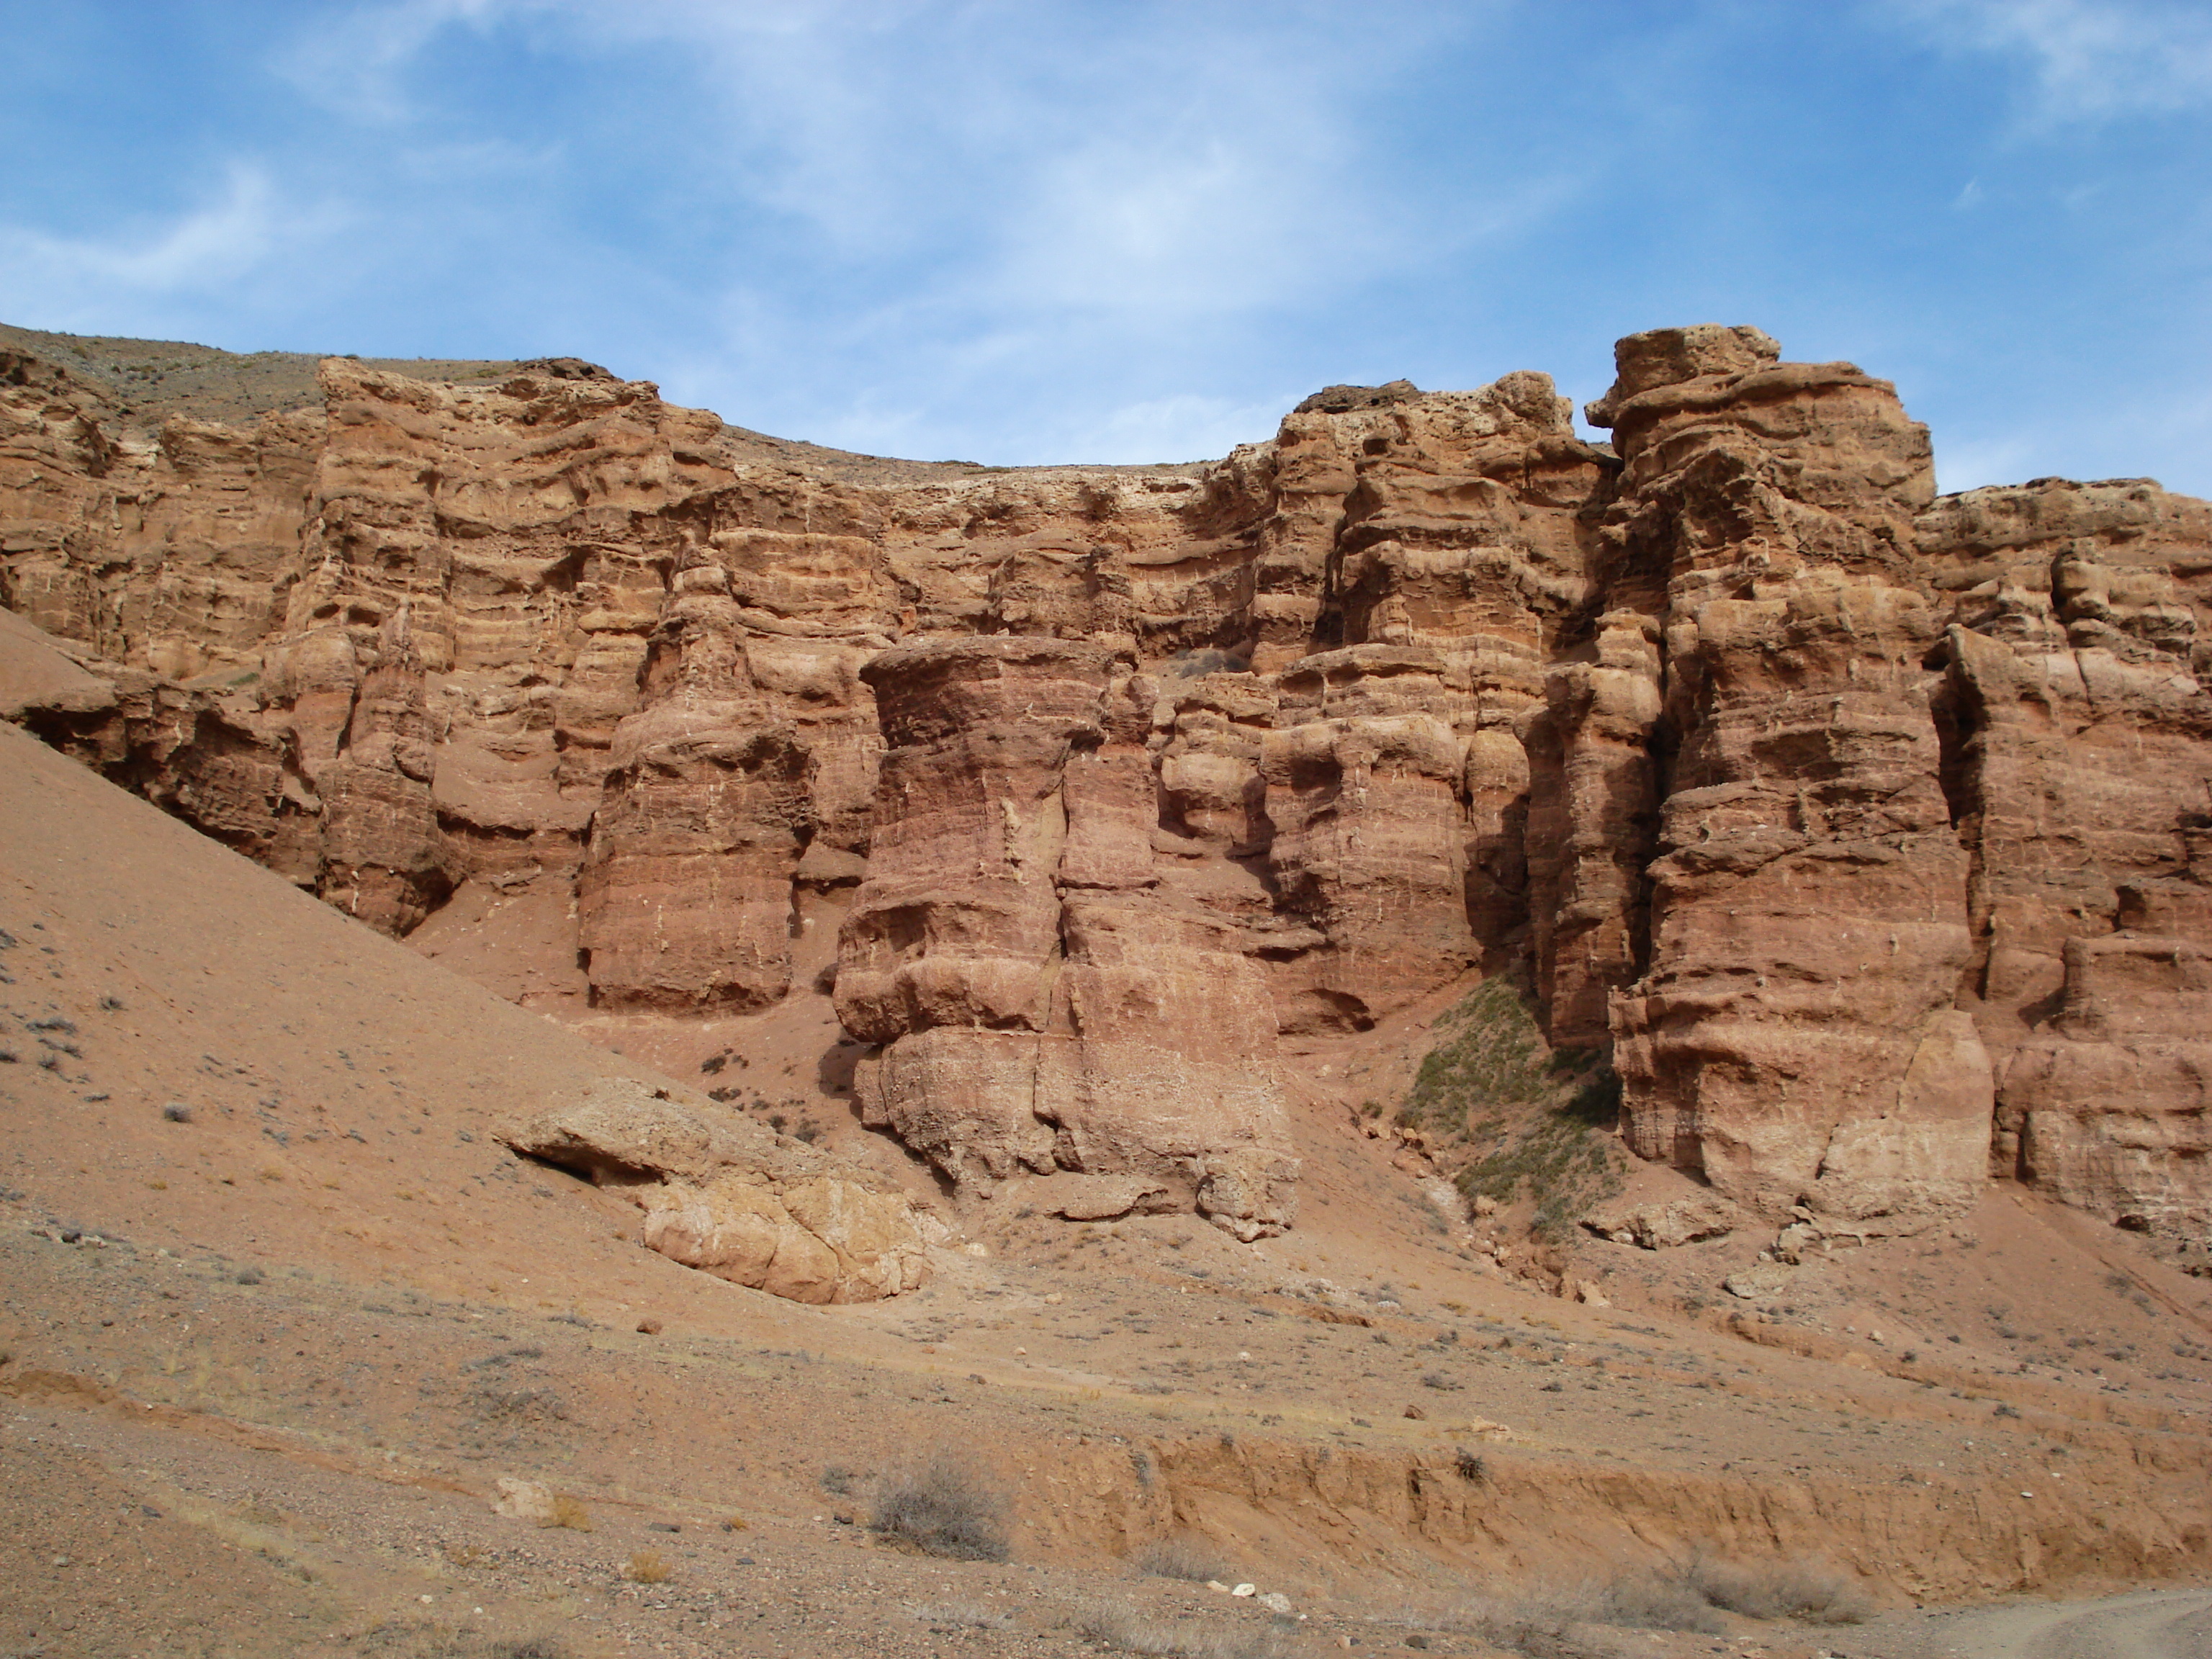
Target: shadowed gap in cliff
[{"x": 1960, "y": 719}]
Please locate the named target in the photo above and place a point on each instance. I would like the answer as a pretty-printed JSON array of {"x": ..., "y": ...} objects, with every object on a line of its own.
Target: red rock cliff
[{"x": 1868, "y": 828}]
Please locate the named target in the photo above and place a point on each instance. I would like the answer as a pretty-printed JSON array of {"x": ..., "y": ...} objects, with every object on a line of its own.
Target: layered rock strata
[
  {"x": 1863, "y": 824},
  {"x": 1049, "y": 997},
  {"x": 1793, "y": 1037}
]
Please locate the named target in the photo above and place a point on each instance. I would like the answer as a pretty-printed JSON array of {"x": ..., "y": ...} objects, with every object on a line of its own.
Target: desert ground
[{"x": 279, "y": 1313}]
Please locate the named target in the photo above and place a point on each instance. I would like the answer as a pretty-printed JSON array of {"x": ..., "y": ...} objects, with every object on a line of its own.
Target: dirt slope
[{"x": 266, "y": 1365}]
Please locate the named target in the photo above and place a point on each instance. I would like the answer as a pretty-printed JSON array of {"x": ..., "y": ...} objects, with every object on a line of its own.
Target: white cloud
[
  {"x": 2090, "y": 60},
  {"x": 356, "y": 64},
  {"x": 1184, "y": 427},
  {"x": 943, "y": 204},
  {"x": 1149, "y": 157},
  {"x": 246, "y": 226}
]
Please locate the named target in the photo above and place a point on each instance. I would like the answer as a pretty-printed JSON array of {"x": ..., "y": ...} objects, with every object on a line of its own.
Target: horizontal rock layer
[{"x": 1863, "y": 824}]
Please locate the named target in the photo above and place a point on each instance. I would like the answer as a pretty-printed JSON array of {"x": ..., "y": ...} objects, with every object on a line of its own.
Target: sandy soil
[
  {"x": 2155, "y": 1625},
  {"x": 265, "y": 1366}
]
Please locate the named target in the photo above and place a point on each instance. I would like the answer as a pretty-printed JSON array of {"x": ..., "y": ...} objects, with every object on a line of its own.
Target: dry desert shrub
[
  {"x": 960, "y": 1615},
  {"x": 1812, "y": 1595},
  {"x": 1189, "y": 1558},
  {"x": 1540, "y": 1622},
  {"x": 1125, "y": 1629},
  {"x": 569, "y": 1513},
  {"x": 648, "y": 1567},
  {"x": 1644, "y": 1602},
  {"x": 943, "y": 1507}
]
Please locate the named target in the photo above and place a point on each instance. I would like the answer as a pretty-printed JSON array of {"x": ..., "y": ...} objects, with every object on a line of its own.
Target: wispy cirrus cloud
[
  {"x": 2088, "y": 60},
  {"x": 919, "y": 199},
  {"x": 356, "y": 64},
  {"x": 1135, "y": 158},
  {"x": 244, "y": 227}
]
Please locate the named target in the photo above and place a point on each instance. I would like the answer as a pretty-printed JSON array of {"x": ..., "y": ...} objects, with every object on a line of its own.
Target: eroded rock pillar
[
  {"x": 1796, "y": 1038},
  {"x": 1043, "y": 1007}
]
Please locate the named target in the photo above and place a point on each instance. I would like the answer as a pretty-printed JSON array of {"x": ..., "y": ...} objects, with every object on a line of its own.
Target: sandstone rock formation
[
  {"x": 1049, "y": 999},
  {"x": 1863, "y": 826},
  {"x": 727, "y": 1196}
]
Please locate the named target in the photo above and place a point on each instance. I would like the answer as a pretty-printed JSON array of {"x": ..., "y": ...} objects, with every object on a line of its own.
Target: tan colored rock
[
  {"x": 1667, "y": 1223},
  {"x": 623, "y": 1131},
  {"x": 821, "y": 1241},
  {"x": 526, "y": 1500},
  {"x": 723, "y": 1194},
  {"x": 1092, "y": 1198}
]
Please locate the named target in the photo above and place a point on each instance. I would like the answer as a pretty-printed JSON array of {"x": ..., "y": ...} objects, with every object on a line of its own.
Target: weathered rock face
[
  {"x": 1866, "y": 828},
  {"x": 725, "y": 1195},
  {"x": 1048, "y": 1001},
  {"x": 2077, "y": 722},
  {"x": 1794, "y": 1038}
]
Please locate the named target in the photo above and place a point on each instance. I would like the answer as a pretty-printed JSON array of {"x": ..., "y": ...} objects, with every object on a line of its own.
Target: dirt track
[{"x": 2157, "y": 1624}]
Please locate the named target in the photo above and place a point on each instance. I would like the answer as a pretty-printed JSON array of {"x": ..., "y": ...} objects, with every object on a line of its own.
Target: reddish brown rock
[
  {"x": 1793, "y": 1039},
  {"x": 1043, "y": 1006},
  {"x": 1864, "y": 826},
  {"x": 2079, "y": 728}
]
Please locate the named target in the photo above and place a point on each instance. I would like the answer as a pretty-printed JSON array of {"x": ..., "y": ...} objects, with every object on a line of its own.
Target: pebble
[{"x": 1246, "y": 1589}]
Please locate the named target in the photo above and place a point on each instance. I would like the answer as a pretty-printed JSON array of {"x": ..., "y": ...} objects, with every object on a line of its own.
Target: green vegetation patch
[{"x": 1532, "y": 1123}]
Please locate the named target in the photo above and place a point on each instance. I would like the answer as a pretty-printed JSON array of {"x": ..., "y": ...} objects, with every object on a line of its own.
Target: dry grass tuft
[
  {"x": 1125, "y": 1629},
  {"x": 1812, "y": 1595},
  {"x": 569, "y": 1513},
  {"x": 1189, "y": 1558},
  {"x": 959, "y": 1615},
  {"x": 943, "y": 1507},
  {"x": 648, "y": 1567},
  {"x": 1539, "y": 1621}
]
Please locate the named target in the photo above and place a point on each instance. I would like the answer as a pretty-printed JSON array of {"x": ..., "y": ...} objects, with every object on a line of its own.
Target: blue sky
[{"x": 1050, "y": 230}]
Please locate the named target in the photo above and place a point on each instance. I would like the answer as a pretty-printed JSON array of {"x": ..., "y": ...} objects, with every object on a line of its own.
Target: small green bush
[{"x": 1536, "y": 1122}]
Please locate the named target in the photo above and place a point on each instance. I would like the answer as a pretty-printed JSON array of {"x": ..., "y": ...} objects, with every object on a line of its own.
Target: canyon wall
[{"x": 1870, "y": 830}]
